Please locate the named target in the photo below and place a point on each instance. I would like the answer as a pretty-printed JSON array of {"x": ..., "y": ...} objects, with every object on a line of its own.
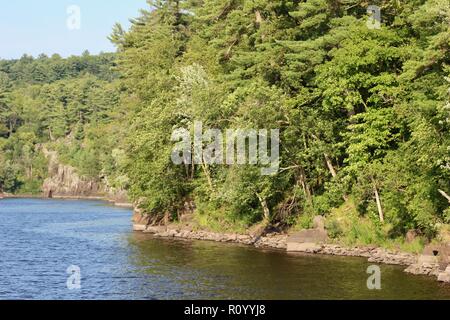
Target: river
[{"x": 41, "y": 239}]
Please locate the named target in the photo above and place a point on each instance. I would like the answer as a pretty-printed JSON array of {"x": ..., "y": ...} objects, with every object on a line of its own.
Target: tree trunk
[
  {"x": 265, "y": 208},
  {"x": 333, "y": 171},
  {"x": 51, "y": 134},
  {"x": 445, "y": 195},
  {"x": 208, "y": 176},
  {"x": 305, "y": 186},
  {"x": 330, "y": 165},
  {"x": 377, "y": 198}
]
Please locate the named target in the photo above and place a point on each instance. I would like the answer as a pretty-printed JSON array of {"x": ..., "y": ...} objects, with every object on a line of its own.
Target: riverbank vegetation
[{"x": 363, "y": 114}]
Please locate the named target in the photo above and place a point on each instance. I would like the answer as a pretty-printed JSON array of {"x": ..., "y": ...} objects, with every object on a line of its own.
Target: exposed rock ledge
[
  {"x": 279, "y": 241},
  {"x": 64, "y": 182}
]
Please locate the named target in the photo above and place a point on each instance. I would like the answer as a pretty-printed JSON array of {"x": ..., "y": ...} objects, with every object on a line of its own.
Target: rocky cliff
[{"x": 65, "y": 182}]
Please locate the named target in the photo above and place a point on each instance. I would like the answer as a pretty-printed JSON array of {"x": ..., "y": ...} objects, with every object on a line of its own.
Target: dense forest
[{"x": 363, "y": 114}]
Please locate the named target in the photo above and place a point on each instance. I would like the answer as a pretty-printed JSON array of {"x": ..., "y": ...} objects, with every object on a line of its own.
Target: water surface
[{"x": 40, "y": 239}]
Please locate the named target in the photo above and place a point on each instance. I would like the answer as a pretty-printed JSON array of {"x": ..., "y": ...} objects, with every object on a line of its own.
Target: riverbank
[
  {"x": 279, "y": 242},
  {"x": 431, "y": 262}
]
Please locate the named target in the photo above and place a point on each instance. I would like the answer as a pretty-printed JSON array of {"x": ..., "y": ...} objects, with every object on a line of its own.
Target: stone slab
[
  {"x": 425, "y": 258},
  {"x": 303, "y": 247},
  {"x": 444, "y": 277},
  {"x": 308, "y": 236},
  {"x": 139, "y": 227}
]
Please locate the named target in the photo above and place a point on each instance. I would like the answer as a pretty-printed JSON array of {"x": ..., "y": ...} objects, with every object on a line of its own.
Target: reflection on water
[
  {"x": 226, "y": 271},
  {"x": 41, "y": 238}
]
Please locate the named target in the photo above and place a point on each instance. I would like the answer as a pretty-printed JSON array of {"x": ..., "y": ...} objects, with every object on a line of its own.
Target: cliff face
[{"x": 64, "y": 181}]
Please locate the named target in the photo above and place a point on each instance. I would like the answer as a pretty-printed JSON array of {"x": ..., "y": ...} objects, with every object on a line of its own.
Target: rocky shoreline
[
  {"x": 429, "y": 263},
  {"x": 279, "y": 241}
]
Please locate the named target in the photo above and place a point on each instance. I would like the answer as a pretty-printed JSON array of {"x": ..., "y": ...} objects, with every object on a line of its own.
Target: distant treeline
[
  {"x": 52, "y": 101},
  {"x": 44, "y": 69}
]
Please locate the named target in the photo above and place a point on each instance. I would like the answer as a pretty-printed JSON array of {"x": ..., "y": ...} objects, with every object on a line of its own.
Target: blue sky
[{"x": 40, "y": 26}]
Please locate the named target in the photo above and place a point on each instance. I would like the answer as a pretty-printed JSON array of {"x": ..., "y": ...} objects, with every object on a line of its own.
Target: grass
[{"x": 344, "y": 224}]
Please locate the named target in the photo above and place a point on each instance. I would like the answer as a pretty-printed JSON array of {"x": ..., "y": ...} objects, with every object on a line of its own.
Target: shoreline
[
  {"x": 415, "y": 264},
  {"x": 280, "y": 242}
]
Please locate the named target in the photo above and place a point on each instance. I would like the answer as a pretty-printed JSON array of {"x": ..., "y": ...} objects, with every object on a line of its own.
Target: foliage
[{"x": 363, "y": 113}]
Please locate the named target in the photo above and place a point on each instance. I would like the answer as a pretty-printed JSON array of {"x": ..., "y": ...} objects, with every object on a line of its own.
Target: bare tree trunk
[
  {"x": 51, "y": 134},
  {"x": 333, "y": 171},
  {"x": 445, "y": 195},
  {"x": 304, "y": 184},
  {"x": 330, "y": 165},
  {"x": 265, "y": 208},
  {"x": 208, "y": 176},
  {"x": 228, "y": 53},
  {"x": 377, "y": 198}
]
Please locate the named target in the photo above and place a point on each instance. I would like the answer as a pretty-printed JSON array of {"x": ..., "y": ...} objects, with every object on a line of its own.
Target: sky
[{"x": 52, "y": 26}]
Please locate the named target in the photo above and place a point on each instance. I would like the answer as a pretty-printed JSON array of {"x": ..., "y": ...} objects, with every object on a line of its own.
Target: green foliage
[
  {"x": 363, "y": 113},
  {"x": 62, "y": 103},
  {"x": 359, "y": 109}
]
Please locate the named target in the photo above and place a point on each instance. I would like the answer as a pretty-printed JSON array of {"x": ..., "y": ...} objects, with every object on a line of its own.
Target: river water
[{"x": 41, "y": 239}]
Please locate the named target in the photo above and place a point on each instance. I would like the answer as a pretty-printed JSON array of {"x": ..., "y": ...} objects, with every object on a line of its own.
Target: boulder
[
  {"x": 308, "y": 247},
  {"x": 441, "y": 252},
  {"x": 306, "y": 240},
  {"x": 139, "y": 227},
  {"x": 140, "y": 220},
  {"x": 154, "y": 229},
  {"x": 309, "y": 236},
  {"x": 411, "y": 235},
  {"x": 319, "y": 223},
  {"x": 444, "y": 277},
  {"x": 427, "y": 259}
]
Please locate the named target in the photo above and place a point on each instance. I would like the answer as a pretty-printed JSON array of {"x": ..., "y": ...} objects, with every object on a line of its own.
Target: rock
[
  {"x": 444, "y": 277},
  {"x": 427, "y": 259},
  {"x": 319, "y": 223},
  {"x": 65, "y": 182},
  {"x": 413, "y": 269},
  {"x": 309, "y": 247},
  {"x": 139, "y": 219},
  {"x": 154, "y": 229},
  {"x": 139, "y": 227},
  {"x": 423, "y": 268},
  {"x": 441, "y": 252},
  {"x": 308, "y": 236},
  {"x": 411, "y": 235}
]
